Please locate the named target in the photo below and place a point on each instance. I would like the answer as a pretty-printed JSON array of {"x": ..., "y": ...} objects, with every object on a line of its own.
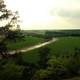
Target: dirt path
[{"x": 33, "y": 47}]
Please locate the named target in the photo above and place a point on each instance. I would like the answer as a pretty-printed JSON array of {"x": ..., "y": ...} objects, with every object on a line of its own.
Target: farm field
[
  {"x": 27, "y": 42},
  {"x": 64, "y": 46}
]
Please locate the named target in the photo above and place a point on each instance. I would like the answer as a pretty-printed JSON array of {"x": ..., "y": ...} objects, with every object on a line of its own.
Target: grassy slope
[
  {"x": 28, "y": 41},
  {"x": 63, "y": 45}
]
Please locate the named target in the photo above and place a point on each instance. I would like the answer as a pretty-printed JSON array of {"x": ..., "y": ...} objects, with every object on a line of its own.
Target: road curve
[{"x": 33, "y": 47}]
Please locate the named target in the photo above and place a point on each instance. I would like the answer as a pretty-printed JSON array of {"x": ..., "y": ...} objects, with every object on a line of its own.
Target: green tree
[
  {"x": 29, "y": 71},
  {"x": 9, "y": 27},
  {"x": 43, "y": 54},
  {"x": 11, "y": 71}
]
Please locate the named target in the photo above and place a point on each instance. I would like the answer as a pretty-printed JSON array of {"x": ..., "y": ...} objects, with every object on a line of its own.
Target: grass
[
  {"x": 63, "y": 46},
  {"x": 28, "y": 41}
]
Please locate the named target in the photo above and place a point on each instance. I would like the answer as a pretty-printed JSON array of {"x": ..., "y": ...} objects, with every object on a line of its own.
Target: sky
[{"x": 47, "y": 14}]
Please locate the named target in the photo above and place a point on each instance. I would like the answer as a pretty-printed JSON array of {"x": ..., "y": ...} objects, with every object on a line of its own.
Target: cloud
[
  {"x": 68, "y": 17},
  {"x": 69, "y": 13}
]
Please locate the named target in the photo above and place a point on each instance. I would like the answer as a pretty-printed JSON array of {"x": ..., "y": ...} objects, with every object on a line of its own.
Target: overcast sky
[{"x": 47, "y": 14}]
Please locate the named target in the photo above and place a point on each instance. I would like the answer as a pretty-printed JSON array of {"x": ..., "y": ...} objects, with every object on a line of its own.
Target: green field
[
  {"x": 64, "y": 46},
  {"x": 28, "y": 41}
]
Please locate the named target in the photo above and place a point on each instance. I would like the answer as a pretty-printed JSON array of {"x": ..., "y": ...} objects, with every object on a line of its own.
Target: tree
[
  {"x": 9, "y": 27},
  {"x": 11, "y": 71},
  {"x": 43, "y": 57},
  {"x": 29, "y": 71}
]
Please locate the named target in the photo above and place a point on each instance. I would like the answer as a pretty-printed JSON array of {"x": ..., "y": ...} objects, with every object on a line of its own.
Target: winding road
[{"x": 33, "y": 47}]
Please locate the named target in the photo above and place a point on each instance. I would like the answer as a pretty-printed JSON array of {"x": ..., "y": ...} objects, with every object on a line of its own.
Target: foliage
[
  {"x": 62, "y": 33},
  {"x": 10, "y": 71},
  {"x": 43, "y": 54},
  {"x": 9, "y": 27},
  {"x": 63, "y": 62}
]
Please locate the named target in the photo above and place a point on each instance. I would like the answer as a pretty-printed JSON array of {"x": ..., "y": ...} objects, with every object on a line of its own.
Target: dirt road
[{"x": 33, "y": 47}]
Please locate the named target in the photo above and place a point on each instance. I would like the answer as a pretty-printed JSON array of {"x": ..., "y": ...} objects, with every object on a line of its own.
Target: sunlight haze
[{"x": 47, "y": 14}]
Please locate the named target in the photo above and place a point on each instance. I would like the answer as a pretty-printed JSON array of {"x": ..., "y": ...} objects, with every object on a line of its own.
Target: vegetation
[
  {"x": 74, "y": 78},
  {"x": 63, "y": 47},
  {"x": 63, "y": 59},
  {"x": 25, "y": 42},
  {"x": 62, "y": 33},
  {"x": 7, "y": 31},
  {"x": 56, "y": 61}
]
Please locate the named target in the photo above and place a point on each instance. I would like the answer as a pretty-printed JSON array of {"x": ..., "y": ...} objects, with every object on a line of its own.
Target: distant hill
[
  {"x": 75, "y": 32},
  {"x": 35, "y": 31}
]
